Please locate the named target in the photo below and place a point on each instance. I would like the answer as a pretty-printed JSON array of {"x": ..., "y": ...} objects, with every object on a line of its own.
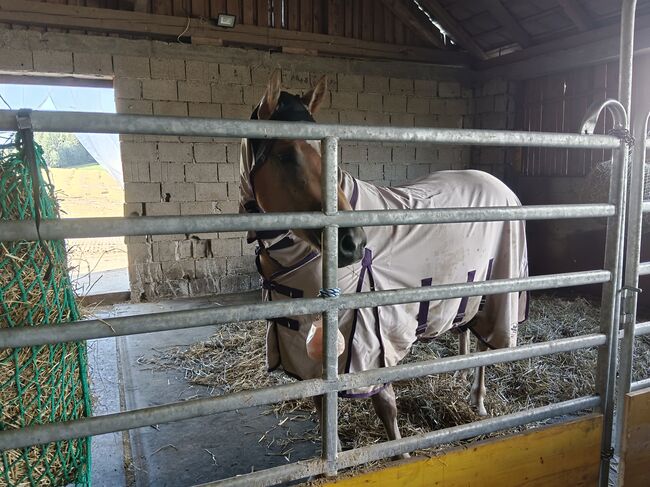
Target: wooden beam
[
  {"x": 578, "y": 15},
  {"x": 592, "y": 47},
  {"x": 418, "y": 23},
  {"x": 141, "y": 6},
  {"x": 508, "y": 22},
  {"x": 169, "y": 27},
  {"x": 460, "y": 35},
  {"x": 635, "y": 448}
]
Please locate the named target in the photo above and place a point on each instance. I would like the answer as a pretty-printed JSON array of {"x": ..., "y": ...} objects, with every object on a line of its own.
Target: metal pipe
[
  {"x": 640, "y": 384},
  {"x": 33, "y": 435},
  {"x": 642, "y": 329},
  {"x": 45, "y": 121},
  {"x": 59, "y": 229},
  {"x": 644, "y": 268},
  {"x": 178, "y": 411},
  {"x": 177, "y": 320},
  {"x": 463, "y": 432},
  {"x": 329, "y": 426},
  {"x": 646, "y": 207},
  {"x": 273, "y": 476},
  {"x": 626, "y": 56},
  {"x": 461, "y": 362}
]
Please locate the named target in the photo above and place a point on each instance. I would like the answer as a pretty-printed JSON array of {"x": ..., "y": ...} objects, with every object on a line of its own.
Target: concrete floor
[{"x": 177, "y": 454}]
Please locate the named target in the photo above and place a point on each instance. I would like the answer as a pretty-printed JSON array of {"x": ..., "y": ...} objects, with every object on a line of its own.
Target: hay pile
[
  {"x": 38, "y": 384},
  {"x": 233, "y": 360}
]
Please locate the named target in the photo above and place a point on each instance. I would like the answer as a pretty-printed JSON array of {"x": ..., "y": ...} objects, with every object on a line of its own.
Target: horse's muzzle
[{"x": 352, "y": 243}]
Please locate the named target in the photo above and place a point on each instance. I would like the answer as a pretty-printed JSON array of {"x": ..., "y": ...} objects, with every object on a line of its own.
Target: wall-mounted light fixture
[{"x": 225, "y": 20}]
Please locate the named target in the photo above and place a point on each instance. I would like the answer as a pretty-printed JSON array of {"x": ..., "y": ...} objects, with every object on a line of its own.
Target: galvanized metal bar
[
  {"x": 329, "y": 180},
  {"x": 462, "y": 362},
  {"x": 44, "y": 121},
  {"x": 177, "y": 320},
  {"x": 644, "y": 268},
  {"x": 610, "y": 303},
  {"x": 273, "y": 476},
  {"x": 97, "y": 425},
  {"x": 646, "y": 206},
  {"x": 642, "y": 329},
  {"x": 178, "y": 411},
  {"x": 59, "y": 229},
  {"x": 626, "y": 55},
  {"x": 640, "y": 384},
  {"x": 463, "y": 432}
]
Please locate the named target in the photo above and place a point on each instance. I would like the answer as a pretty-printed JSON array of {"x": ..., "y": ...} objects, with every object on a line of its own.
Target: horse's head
[{"x": 286, "y": 174}]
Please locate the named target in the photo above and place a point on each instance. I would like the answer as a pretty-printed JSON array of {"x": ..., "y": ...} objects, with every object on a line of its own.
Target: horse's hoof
[{"x": 482, "y": 411}]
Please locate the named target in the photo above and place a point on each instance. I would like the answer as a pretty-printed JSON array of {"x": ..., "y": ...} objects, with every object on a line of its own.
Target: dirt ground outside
[{"x": 90, "y": 191}]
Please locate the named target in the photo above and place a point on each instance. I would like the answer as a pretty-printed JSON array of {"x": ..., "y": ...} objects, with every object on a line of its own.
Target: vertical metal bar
[
  {"x": 626, "y": 55},
  {"x": 329, "y": 182},
  {"x": 632, "y": 257},
  {"x": 610, "y": 306}
]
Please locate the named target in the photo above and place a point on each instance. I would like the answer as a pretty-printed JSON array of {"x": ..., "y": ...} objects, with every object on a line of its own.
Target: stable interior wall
[{"x": 188, "y": 176}]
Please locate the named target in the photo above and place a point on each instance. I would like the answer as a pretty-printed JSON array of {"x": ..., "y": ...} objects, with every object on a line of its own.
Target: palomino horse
[{"x": 284, "y": 175}]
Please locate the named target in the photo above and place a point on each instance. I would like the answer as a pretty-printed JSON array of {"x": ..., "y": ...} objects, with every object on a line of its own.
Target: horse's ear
[
  {"x": 314, "y": 97},
  {"x": 271, "y": 95}
]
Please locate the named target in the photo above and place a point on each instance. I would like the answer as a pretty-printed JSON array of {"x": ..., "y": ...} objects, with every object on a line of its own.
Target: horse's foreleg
[
  {"x": 386, "y": 408},
  {"x": 477, "y": 393},
  {"x": 463, "y": 349},
  {"x": 318, "y": 402}
]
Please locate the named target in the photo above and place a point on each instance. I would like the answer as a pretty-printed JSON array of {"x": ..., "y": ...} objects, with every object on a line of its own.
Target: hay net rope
[{"x": 42, "y": 384}]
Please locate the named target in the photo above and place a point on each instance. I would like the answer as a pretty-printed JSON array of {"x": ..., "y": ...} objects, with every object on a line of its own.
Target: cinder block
[
  {"x": 228, "y": 172},
  {"x": 417, "y": 105},
  {"x": 426, "y": 155},
  {"x": 296, "y": 80},
  {"x": 449, "y": 89},
  {"x": 199, "y": 208},
  {"x": 370, "y": 102},
  {"x": 352, "y": 117},
  {"x": 147, "y": 271},
  {"x": 93, "y": 63},
  {"x": 235, "y": 283},
  {"x": 233, "y": 190},
  {"x": 233, "y": 154},
  {"x": 139, "y": 253},
  {"x": 238, "y": 112},
  {"x": 484, "y": 104},
  {"x": 52, "y": 61},
  {"x": 132, "y": 209},
  {"x": 164, "y": 251},
  {"x": 141, "y": 192},
  {"x": 129, "y": 88},
  {"x": 425, "y": 87},
  {"x": 170, "y": 108},
  {"x": 159, "y": 89},
  {"x": 379, "y": 154},
  {"x": 137, "y": 172},
  {"x": 204, "y": 110},
  {"x": 158, "y": 209},
  {"x": 401, "y": 85},
  {"x": 395, "y": 103},
  {"x": 253, "y": 94},
  {"x": 235, "y": 73},
  {"x": 211, "y": 191},
  {"x": 155, "y": 172},
  {"x": 200, "y": 248},
  {"x": 371, "y": 171},
  {"x": 495, "y": 86},
  {"x": 260, "y": 75},
  {"x": 175, "y": 152},
  {"x": 210, "y": 268},
  {"x": 131, "y": 66},
  {"x": 354, "y": 153},
  {"x": 197, "y": 91},
  {"x": 226, "y": 206},
  {"x": 377, "y": 118},
  {"x": 402, "y": 119},
  {"x": 201, "y": 71},
  {"x": 172, "y": 172},
  {"x": 179, "y": 269},
  {"x": 417, "y": 171},
  {"x": 138, "y": 151},
  {"x": 172, "y": 288},
  {"x": 344, "y": 100},
  {"x": 451, "y": 121},
  {"x": 393, "y": 172},
  {"x": 201, "y": 172},
  {"x": 426, "y": 121},
  {"x": 167, "y": 68},
  {"x": 139, "y": 107},
  {"x": 350, "y": 82},
  {"x": 178, "y": 192},
  {"x": 502, "y": 103},
  {"x": 203, "y": 287},
  {"x": 327, "y": 116},
  {"x": 375, "y": 84},
  {"x": 404, "y": 155},
  {"x": 229, "y": 247},
  {"x": 244, "y": 264},
  {"x": 457, "y": 107},
  {"x": 437, "y": 106},
  {"x": 213, "y": 152},
  {"x": 16, "y": 60}
]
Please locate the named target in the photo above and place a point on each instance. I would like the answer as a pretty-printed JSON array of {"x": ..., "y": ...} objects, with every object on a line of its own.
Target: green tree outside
[{"x": 63, "y": 150}]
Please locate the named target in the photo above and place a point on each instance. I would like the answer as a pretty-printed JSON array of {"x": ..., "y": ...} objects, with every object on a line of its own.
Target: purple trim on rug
[
  {"x": 282, "y": 289},
  {"x": 287, "y": 323},
  {"x": 423, "y": 312},
  {"x": 355, "y": 195},
  {"x": 460, "y": 315},
  {"x": 362, "y": 395},
  {"x": 527, "y": 311},
  {"x": 488, "y": 276},
  {"x": 308, "y": 258},
  {"x": 366, "y": 262}
]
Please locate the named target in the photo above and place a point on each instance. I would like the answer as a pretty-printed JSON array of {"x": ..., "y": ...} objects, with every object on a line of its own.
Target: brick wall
[{"x": 188, "y": 176}]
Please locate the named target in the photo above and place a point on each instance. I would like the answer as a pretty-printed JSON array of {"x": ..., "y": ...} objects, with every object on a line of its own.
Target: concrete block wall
[{"x": 189, "y": 175}]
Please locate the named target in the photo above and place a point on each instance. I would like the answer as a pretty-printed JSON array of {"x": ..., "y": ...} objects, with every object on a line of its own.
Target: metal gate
[{"x": 330, "y": 219}]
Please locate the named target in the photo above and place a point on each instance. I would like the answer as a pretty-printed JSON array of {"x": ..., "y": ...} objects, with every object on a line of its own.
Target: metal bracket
[{"x": 24, "y": 119}]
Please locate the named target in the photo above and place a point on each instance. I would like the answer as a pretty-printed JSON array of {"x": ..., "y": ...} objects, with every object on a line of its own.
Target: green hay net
[{"x": 43, "y": 384}]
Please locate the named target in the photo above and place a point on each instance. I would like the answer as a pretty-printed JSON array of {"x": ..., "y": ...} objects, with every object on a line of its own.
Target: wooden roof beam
[
  {"x": 578, "y": 15},
  {"x": 508, "y": 22},
  {"x": 459, "y": 34},
  {"x": 418, "y": 23}
]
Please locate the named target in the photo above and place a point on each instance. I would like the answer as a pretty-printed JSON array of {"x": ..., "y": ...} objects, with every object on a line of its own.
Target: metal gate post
[
  {"x": 329, "y": 183},
  {"x": 610, "y": 301}
]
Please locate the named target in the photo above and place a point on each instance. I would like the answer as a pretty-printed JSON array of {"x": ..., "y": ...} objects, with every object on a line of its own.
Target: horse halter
[{"x": 289, "y": 108}]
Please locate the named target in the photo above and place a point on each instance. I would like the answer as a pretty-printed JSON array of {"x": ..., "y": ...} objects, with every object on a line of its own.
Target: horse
[{"x": 282, "y": 175}]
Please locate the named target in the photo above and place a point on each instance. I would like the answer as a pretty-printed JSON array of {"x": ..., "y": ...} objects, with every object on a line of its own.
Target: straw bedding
[{"x": 233, "y": 360}]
